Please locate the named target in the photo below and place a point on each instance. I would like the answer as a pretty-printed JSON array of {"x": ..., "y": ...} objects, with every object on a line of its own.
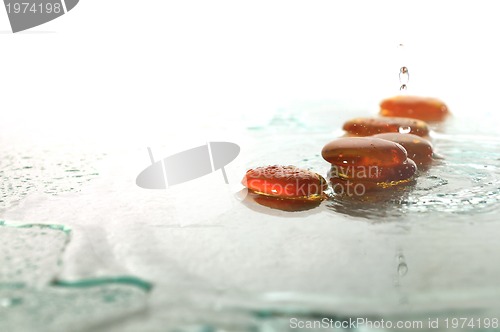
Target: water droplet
[
  {"x": 402, "y": 87},
  {"x": 404, "y": 76},
  {"x": 404, "y": 130},
  {"x": 402, "y": 269}
]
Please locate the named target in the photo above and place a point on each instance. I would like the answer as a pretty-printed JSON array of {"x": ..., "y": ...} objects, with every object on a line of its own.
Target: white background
[{"x": 142, "y": 67}]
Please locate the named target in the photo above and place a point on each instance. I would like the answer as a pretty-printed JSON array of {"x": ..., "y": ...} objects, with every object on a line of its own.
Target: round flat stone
[
  {"x": 373, "y": 126},
  {"x": 423, "y": 108},
  {"x": 398, "y": 172},
  {"x": 360, "y": 188},
  {"x": 285, "y": 181},
  {"x": 419, "y": 149},
  {"x": 363, "y": 152}
]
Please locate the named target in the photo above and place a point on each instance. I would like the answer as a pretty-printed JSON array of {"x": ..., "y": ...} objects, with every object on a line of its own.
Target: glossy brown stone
[
  {"x": 373, "y": 126},
  {"x": 360, "y": 188},
  {"x": 418, "y": 148},
  {"x": 363, "y": 151},
  {"x": 372, "y": 173},
  {"x": 362, "y": 164},
  {"x": 427, "y": 109},
  {"x": 285, "y": 181}
]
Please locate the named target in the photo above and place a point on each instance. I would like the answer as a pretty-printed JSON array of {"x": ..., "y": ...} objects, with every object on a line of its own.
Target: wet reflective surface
[
  {"x": 54, "y": 170},
  {"x": 32, "y": 298},
  {"x": 216, "y": 263}
]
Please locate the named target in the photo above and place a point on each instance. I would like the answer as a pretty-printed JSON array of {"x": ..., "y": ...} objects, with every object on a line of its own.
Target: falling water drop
[
  {"x": 404, "y": 130},
  {"x": 404, "y": 76},
  {"x": 402, "y": 269}
]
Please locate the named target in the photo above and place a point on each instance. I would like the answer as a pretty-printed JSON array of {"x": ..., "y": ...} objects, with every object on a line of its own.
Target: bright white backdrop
[{"x": 129, "y": 67}]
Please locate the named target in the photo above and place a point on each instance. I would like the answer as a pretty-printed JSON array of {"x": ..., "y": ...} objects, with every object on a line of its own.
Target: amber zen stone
[
  {"x": 369, "y": 163},
  {"x": 373, "y": 126},
  {"x": 427, "y": 109},
  {"x": 286, "y": 182},
  {"x": 418, "y": 148},
  {"x": 375, "y": 173},
  {"x": 363, "y": 151}
]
